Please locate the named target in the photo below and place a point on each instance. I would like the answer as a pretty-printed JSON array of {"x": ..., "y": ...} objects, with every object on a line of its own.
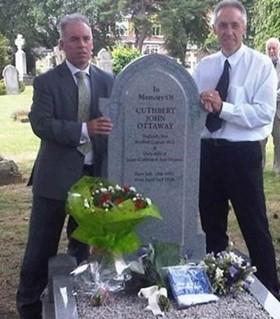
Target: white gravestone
[
  {"x": 104, "y": 60},
  {"x": 58, "y": 55}
]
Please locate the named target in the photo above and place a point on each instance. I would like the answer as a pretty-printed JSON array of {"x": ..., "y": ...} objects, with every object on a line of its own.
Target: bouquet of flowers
[
  {"x": 107, "y": 214},
  {"x": 228, "y": 272}
]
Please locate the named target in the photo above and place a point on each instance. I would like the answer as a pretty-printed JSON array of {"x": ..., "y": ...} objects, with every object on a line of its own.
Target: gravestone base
[
  {"x": 28, "y": 79},
  {"x": 258, "y": 304}
]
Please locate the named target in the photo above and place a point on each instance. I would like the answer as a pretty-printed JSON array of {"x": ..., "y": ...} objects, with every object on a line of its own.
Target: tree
[
  {"x": 38, "y": 21},
  {"x": 183, "y": 22},
  {"x": 265, "y": 21},
  {"x": 5, "y": 53},
  {"x": 142, "y": 14}
]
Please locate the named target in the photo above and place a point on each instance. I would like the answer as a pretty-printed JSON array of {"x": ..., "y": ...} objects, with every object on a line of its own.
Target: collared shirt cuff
[{"x": 84, "y": 134}]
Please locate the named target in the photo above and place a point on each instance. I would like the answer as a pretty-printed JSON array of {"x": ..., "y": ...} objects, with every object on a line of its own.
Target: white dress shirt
[{"x": 251, "y": 102}]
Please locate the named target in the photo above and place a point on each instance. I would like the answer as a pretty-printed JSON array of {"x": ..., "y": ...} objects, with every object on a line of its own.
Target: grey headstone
[
  {"x": 9, "y": 172},
  {"x": 155, "y": 146},
  {"x": 11, "y": 80},
  {"x": 60, "y": 265}
]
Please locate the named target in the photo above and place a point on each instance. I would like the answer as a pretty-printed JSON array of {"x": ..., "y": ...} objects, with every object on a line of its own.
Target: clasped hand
[
  {"x": 211, "y": 101},
  {"x": 100, "y": 125}
]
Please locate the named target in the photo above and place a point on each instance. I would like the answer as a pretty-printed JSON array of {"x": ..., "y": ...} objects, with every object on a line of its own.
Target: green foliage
[
  {"x": 149, "y": 268},
  {"x": 266, "y": 11},
  {"x": 122, "y": 55},
  {"x": 5, "y": 53},
  {"x": 2, "y": 87}
]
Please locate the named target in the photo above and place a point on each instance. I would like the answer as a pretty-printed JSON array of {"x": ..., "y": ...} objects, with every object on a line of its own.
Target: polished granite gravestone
[{"x": 155, "y": 146}]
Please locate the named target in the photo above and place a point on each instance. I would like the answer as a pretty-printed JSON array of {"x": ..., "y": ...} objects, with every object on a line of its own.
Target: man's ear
[
  {"x": 214, "y": 29},
  {"x": 60, "y": 44}
]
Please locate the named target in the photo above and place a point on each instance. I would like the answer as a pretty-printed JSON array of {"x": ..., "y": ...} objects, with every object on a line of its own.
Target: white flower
[
  {"x": 118, "y": 188},
  {"x": 149, "y": 202},
  {"x": 235, "y": 258},
  {"x": 152, "y": 295},
  {"x": 86, "y": 203},
  {"x": 219, "y": 273}
]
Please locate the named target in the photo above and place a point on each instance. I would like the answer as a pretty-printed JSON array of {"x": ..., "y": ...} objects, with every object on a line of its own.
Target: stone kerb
[
  {"x": 59, "y": 301},
  {"x": 158, "y": 153},
  {"x": 64, "y": 302}
]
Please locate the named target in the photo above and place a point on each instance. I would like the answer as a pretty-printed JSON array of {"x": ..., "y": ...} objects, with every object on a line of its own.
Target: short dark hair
[
  {"x": 72, "y": 18},
  {"x": 229, "y": 3}
]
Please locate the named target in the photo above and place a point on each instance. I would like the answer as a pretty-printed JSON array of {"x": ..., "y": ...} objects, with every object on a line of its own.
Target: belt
[
  {"x": 224, "y": 142},
  {"x": 88, "y": 169}
]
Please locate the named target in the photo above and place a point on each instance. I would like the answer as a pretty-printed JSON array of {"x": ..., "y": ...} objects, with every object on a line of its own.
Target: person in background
[
  {"x": 240, "y": 110},
  {"x": 73, "y": 144},
  {"x": 273, "y": 50}
]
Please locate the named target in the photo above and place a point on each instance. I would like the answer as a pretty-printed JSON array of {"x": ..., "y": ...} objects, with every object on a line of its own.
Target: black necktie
[{"x": 213, "y": 122}]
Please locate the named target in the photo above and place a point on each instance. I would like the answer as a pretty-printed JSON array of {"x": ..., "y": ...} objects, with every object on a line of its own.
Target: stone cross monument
[{"x": 20, "y": 57}]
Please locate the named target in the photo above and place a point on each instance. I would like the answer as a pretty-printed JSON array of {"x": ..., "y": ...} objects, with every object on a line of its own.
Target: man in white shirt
[
  {"x": 231, "y": 160},
  {"x": 272, "y": 50}
]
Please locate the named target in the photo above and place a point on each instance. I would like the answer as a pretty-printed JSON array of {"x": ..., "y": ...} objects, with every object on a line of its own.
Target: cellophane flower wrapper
[
  {"x": 111, "y": 229},
  {"x": 98, "y": 280}
]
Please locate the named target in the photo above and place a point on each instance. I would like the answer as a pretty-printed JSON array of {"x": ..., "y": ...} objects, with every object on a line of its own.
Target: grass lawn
[
  {"x": 18, "y": 143},
  {"x": 17, "y": 139}
]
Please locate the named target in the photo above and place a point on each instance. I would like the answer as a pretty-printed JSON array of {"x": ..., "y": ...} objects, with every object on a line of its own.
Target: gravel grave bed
[{"x": 125, "y": 306}]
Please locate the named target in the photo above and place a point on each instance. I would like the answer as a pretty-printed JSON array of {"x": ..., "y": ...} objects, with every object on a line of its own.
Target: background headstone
[
  {"x": 20, "y": 57},
  {"x": 104, "y": 60},
  {"x": 9, "y": 172},
  {"x": 58, "y": 55},
  {"x": 10, "y": 75},
  {"x": 155, "y": 146}
]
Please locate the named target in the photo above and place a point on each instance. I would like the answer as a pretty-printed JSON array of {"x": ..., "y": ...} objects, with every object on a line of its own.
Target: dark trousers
[
  {"x": 233, "y": 171},
  {"x": 46, "y": 223}
]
